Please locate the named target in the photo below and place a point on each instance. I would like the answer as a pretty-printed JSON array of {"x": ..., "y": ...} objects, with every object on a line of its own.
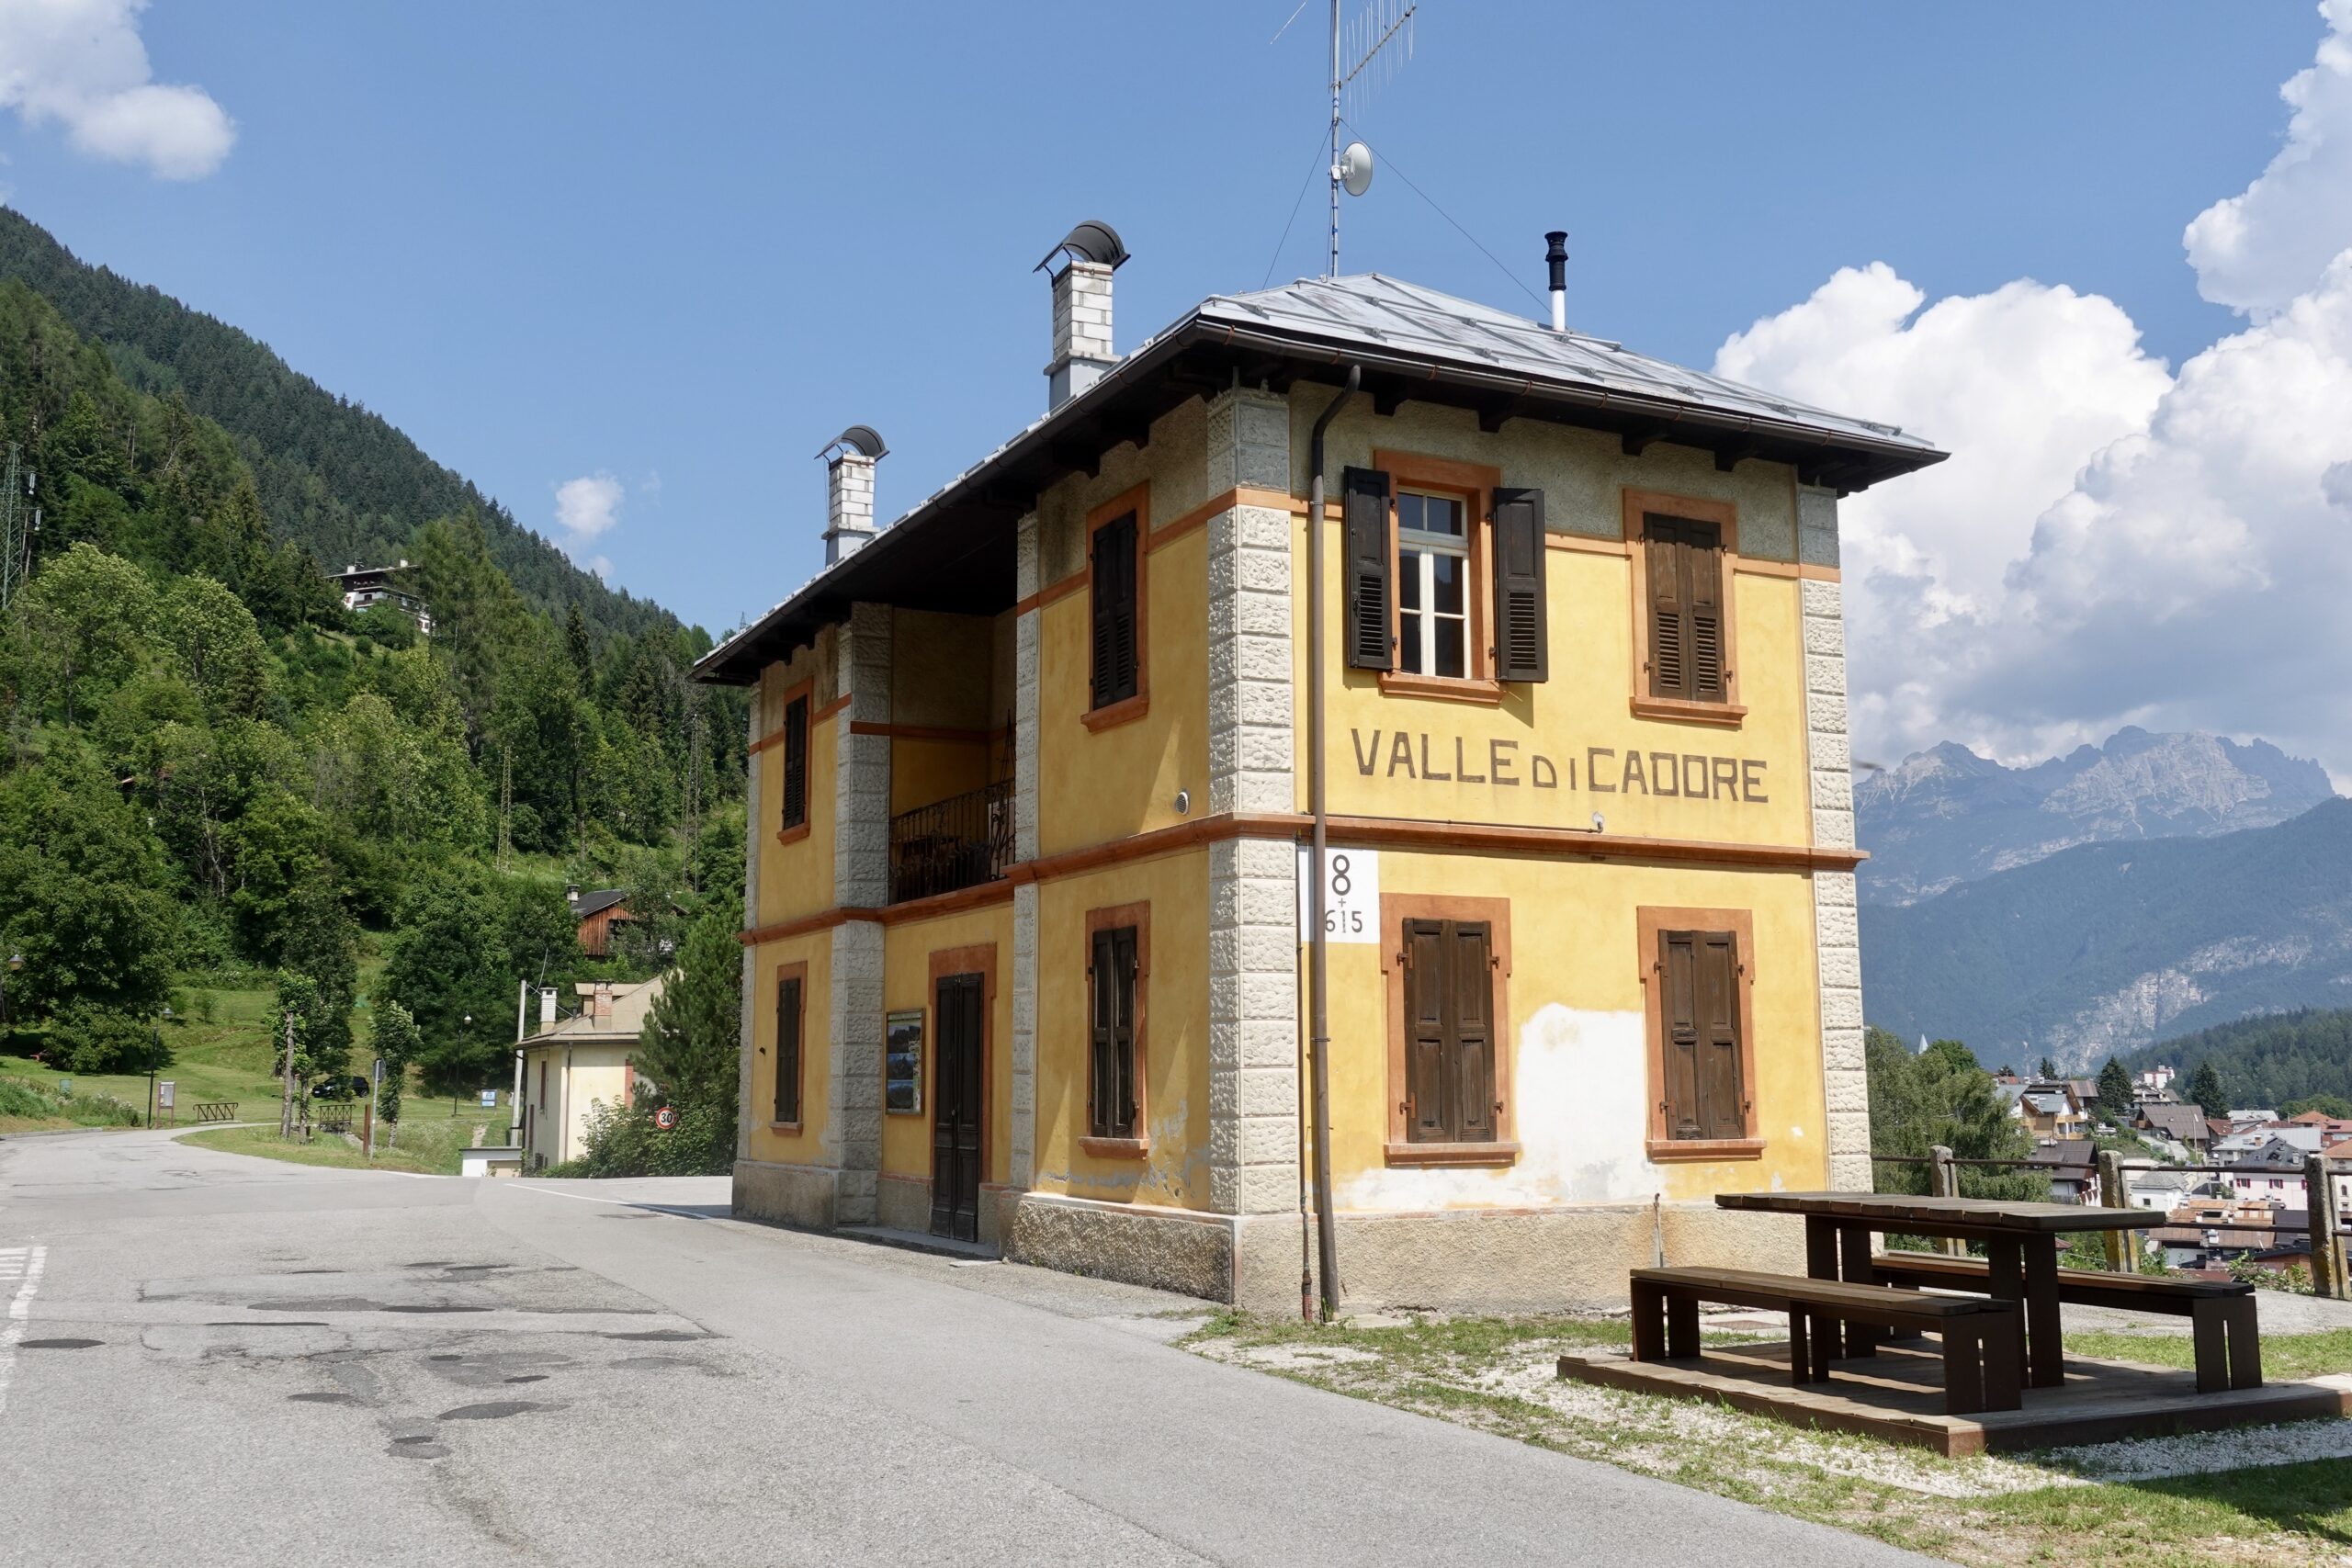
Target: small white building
[{"x": 568, "y": 1067}]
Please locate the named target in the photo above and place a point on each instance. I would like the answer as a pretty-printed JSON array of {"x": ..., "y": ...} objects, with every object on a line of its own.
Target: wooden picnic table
[{"x": 2020, "y": 1247}]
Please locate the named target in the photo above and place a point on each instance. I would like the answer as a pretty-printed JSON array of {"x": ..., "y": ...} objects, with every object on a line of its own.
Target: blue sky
[
  {"x": 628, "y": 266},
  {"x": 684, "y": 245}
]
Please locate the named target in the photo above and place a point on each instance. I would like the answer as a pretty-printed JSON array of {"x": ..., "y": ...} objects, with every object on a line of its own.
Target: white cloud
[
  {"x": 2109, "y": 544},
  {"x": 80, "y": 63},
  {"x": 586, "y": 508},
  {"x": 2259, "y": 249}
]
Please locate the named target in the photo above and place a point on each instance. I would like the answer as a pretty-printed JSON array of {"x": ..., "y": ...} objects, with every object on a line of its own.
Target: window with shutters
[
  {"x": 793, "y": 742},
  {"x": 791, "y": 1019},
  {"x": 1696, "y": 987},
  {"x": 1683, "y": 553},
  {"x": 1116, "y": 539},
  {"x": 1118, "y": 968},
  {"x": 1448, "y": 962},
  {"x": 1443, "y": 577}
]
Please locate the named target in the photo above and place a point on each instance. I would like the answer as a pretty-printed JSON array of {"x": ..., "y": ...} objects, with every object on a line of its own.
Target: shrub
[
  {"x": 100, "y": 1040},
  {"x": 628, "y": 1143}
]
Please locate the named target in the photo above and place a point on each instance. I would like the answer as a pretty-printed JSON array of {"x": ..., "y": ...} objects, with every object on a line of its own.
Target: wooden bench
[
  {"x": 2220, "y": 1311},
  {"x": 1983, "y": 1342},
  {"x": 217, "y": 1110}
]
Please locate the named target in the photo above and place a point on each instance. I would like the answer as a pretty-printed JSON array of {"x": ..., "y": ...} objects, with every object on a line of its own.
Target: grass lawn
[
  {"x": 2284, "y": 1356},
  {"x": 221, "y": 1053},
  {"x": 428, "y": 1146},
  {"x": 2101, "y": 1508}
]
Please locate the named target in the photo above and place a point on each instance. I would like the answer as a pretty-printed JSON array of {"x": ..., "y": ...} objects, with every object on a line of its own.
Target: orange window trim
[
  {"x": 1138, "y": 501},
  {"x": 797, "y": 970},
  {"x": 1474, "y": 485},
  {"x": 974, "y": 958},
  {"x": 1649, "y": 923},
  {"x": 1637, "y": 504},
  {"x": 1396, "y": 908},
  {"x": 1112, "y": 919}
]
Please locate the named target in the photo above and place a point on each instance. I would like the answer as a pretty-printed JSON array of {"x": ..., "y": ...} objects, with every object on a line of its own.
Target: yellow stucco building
[{"x": 1027, "y": 944}]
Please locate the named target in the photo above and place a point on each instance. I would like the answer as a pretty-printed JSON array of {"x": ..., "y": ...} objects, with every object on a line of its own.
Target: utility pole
[
  {"x": 505, "y": 808},
  {"x": 285, "y": 1104}
]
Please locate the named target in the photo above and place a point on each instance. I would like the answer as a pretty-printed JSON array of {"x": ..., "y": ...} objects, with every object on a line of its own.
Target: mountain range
[
  {"x": 2112, "y": 946},
  {"x": 1947, "y": 815}
]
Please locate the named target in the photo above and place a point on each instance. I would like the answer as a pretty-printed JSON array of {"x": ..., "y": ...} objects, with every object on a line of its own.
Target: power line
[
  {"x": 1441, "y": 212},
  {"x": 1300, "y": 201}
]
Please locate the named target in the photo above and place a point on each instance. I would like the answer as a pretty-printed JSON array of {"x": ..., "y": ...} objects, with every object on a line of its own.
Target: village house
[
  {"x": 2182, "y": 1125},
  {"x": 596, "y": 912},
  {"x": 570, "y": 1066},
  {"x": 1031, "y": 958},
  {"x": 362, "y": 586}
]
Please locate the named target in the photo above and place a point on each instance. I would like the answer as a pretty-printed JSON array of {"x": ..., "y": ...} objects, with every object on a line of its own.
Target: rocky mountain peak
[{"x": 1946, "y": 815}]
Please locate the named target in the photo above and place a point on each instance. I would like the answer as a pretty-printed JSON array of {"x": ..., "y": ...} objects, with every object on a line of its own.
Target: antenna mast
[{"x": 1376, "y": 34}]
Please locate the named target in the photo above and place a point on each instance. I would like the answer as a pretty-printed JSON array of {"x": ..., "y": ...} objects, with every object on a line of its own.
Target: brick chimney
[
  {"x": 1082, "y": 355},
  {"x": 602, "y": 1003},
  {"x": 849, "y": 490}
]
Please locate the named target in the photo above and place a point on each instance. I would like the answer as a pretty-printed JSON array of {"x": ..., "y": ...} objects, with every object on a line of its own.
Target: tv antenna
[{"x": 1365, "y": 40}]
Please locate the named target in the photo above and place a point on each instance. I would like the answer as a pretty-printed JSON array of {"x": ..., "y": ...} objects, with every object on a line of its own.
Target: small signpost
[
  {"x": 489, "y": 1099},
  {"x": 666, "y": 1118},
  {"x": 165, "y": 1091}
]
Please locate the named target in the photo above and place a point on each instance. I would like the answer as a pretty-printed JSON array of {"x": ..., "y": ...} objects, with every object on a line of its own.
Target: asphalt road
[{"x": 207, "y": 1357}]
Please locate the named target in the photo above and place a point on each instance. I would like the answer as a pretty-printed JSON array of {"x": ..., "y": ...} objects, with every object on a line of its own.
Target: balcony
[{"x": 961, "y": 841}]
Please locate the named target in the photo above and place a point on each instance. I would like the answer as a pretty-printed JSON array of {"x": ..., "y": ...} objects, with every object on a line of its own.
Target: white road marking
[{"x": 24, "y": 1265}]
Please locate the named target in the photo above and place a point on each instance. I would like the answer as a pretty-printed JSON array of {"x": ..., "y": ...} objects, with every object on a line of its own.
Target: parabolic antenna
[{"x": 1355, "y": 168}]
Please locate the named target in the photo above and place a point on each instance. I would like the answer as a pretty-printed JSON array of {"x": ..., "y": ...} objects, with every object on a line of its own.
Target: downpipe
[{"x": 1319, "y": 952}]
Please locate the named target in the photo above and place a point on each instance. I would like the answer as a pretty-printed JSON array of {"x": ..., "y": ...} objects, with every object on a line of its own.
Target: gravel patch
[{"x": 2199, "y": 1454}]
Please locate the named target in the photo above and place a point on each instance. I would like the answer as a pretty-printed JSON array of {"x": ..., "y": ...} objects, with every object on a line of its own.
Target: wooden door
[{"x": 959, "y": 1107}]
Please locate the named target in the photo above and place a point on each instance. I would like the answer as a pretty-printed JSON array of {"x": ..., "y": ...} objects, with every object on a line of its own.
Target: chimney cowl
[
  {"x": 849, "y": 490},
  {"x": 1555, "y": 255},
  {"x": 1082, "y": 347}
]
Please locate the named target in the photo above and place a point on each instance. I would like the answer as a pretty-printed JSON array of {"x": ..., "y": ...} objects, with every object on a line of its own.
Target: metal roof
[
  {"x": 955, "y": 549},
  {"x": 1377, "y": 314}
]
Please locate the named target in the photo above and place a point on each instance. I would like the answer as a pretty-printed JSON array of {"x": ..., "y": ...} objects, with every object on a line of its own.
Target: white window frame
[{"x": 1416, "y": 550}]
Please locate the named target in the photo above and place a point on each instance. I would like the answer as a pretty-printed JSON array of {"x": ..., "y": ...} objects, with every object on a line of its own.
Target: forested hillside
[
  {"x": 2277, "y": 1062},
  {"x": 327, "y": 473},
  {"x": 2114, "y": 947},
  {"x": 210, "y": 773}
]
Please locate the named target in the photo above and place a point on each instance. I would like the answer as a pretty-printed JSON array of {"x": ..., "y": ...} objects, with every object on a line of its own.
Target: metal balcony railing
[{"x": 961, "y": 841}]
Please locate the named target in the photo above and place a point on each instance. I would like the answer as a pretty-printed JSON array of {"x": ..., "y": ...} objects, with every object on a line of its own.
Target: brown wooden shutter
[
  {"x": 1679, "y": 972},
  {"x": 796, "y": 762},
  {"x": 1702, "y": 565},
  {"x": 1114, "y": 611},
  {"x": 1686, "y": 583},
  {"x": 1705, "y": 1092},
  {"x": 1124, "y": 1065},
  {"x": 787, "y": 1049},
  {"x": 1111, "y": 1069},
  {"x": 1098, "y": 1070},
  {"x": 1471, "y": 1073},
  {"x": 1449, "y": 1032},
  {"x": 1669, "y": 649},
  {"x": 1427, "y": 978},
  {"x": 1722, "y": 1096},
  {"x": 1522, "y": 651},
  {"x": 1364, "y": 505}
]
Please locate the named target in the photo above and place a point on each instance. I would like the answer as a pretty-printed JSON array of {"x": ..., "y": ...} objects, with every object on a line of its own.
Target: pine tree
[
  {"x": 2115, "y": 1092},
  {"x": 2205, "y": 1089}
]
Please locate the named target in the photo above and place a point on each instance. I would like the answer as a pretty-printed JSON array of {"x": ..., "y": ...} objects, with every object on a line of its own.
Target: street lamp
[{"x": 469, "y": 1022}]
